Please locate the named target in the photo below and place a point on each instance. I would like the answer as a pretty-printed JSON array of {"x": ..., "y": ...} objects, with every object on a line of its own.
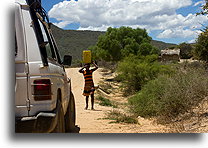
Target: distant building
[{"x": 170, "y": 54}]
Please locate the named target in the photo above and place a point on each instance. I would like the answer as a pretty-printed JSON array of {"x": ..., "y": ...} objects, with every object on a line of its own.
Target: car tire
[
  {"x": 70, "y": 116},
  {"x": 60, "y": 127}
]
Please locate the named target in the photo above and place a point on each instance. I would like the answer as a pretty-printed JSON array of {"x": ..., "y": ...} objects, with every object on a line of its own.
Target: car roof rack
[{"x": 37, "y": 7}]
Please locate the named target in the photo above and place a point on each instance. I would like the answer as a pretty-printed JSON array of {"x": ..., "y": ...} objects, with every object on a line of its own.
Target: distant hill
[
  {"x": 161, "y": 45},
  {"x": 73, "y": 42}
]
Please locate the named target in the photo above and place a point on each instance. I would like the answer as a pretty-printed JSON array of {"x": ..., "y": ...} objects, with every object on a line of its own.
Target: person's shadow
[{"x": 96, "y": 110}]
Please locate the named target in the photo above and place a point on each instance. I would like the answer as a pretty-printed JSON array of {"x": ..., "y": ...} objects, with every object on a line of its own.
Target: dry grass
[{"x": 119, "y": 117}]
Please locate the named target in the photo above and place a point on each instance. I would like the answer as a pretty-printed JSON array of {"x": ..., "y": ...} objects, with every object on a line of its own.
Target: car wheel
[
  {"x": 70, "y": 115},
  {"x": 60, "y": 127}
]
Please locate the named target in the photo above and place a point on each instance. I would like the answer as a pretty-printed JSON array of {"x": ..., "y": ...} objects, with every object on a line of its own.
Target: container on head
[{"x": 87, "y": 56}]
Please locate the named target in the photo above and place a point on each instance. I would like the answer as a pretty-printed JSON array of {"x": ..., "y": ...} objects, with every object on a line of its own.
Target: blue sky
[
  {"x": 172, "y": 21},
  {"x": 48, "y": 4}
]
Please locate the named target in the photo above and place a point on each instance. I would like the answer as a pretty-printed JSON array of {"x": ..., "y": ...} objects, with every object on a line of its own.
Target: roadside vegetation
[
  {"x": 201, "y": 48},
  {"x": 155, "y": 90},
  {"x": 135, "y": 71},
  {"x": 186, "y": 50},
  {"x": 168, "y": 96},
  {"x": 118, "y": 43},
  {"x": 119, "y": 117},
  {"x": 105, "y": 102}
]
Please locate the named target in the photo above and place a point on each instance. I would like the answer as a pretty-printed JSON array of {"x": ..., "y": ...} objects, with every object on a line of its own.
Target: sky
[{"x": 172, "y": 21}]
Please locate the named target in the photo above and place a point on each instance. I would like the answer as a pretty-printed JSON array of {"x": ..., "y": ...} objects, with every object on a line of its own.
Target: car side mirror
[{"x": 67, "y": 60}]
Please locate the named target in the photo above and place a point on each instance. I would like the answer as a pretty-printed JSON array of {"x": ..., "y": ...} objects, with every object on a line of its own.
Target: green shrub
[
  {"x": 168, "y": 97},
  {"x": 136, "y": 71},
  {"x": 201, "y": 48},
  {"x": 119, "y": 117},
  {"x": 105, "y": 102},
  {"x": 185, "y": 50},
  {"x": 118, "y": 43}
]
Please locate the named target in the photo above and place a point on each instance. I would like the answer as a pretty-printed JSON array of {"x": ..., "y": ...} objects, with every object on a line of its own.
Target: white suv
[{"x": 43, "y": 98}]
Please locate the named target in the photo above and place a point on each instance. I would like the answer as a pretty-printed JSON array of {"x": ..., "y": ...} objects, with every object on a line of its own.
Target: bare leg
[
  {"x": 87, "y": 98},
  {"x": 92, "y": 101}
]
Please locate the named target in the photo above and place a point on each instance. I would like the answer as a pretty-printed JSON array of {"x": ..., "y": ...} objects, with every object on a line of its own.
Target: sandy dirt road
[{"x": 92, "y": 121}]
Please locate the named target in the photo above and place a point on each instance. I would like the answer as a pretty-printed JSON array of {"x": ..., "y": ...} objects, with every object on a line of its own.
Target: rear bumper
[{"x": 41, "y": 123}]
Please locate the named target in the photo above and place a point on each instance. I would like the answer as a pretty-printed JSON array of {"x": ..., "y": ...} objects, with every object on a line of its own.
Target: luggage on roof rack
[
  {"x": 34, "y": 3},
  {"x": 36, "y": 6}
]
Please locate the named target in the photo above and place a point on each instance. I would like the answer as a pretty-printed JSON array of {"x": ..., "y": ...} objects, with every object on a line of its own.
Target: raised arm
[
  {"x": 82, "y": 69},
  {"x": 96, "y": 67}
]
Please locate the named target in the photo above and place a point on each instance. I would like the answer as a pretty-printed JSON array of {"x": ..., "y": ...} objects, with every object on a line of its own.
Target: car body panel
[{"x": 29, "y": 67}]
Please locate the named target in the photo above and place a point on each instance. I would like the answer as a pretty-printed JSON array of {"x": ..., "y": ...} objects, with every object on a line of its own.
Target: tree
[
  {"x": 204, "y": 9},
  {"x": 135, "y": 71},
  {"x": 147, "y": 49},
  {"x": 201, "y": 47},
  {"x": 185, "y": 50},
  {"x": 118, "y": 43}
]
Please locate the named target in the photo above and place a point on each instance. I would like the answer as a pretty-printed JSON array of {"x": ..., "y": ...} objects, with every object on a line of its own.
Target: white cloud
[
  {"x": 97, "y": 13},
  {"x": 62, "y": 24},
  {"x": 192, "y": 41},
  {"x": 101, "y": 28},
  {"x": 182, "y": 27},
  {"x": 177, "y": 33},
  {"x": 199, "y": 3},
  {"x": 150, "y": 14}
]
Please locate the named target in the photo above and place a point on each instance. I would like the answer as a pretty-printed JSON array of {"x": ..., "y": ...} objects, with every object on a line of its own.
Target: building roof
[{"x": 175, "y": 51}]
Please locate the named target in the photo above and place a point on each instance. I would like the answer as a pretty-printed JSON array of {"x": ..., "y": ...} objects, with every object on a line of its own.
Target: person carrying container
[{"x": 89, "y": 84}]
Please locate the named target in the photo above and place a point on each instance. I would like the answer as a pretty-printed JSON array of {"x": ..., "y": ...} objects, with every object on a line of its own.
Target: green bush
[
  {"x": 136, "y": 71},
  {"x": 201, "y": 48},
  {"x": 119, "y": 117},
  {"x": 105, "y": 102},
  {"x": 185, "y": 50},
  {"x": 169, "y": 96},
  {"x": 118, "y": 43}
]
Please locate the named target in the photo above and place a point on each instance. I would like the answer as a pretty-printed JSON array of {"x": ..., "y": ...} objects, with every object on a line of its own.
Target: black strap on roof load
[{"x": 36, "y": 5}]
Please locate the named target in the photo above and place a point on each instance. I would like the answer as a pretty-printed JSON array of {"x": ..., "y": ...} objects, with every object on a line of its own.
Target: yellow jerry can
[{"x": 86, "y": 56}]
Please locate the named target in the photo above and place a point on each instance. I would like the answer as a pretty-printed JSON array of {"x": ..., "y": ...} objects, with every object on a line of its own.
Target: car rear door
[{"x": 21, "y": 66}]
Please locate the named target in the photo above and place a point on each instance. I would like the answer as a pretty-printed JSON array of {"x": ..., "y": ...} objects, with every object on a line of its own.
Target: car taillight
[{"x": 42, "y": 89}]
